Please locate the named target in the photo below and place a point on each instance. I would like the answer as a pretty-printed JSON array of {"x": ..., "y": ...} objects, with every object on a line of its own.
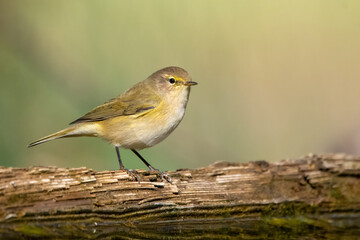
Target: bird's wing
[{"x": 135, "y": 101}]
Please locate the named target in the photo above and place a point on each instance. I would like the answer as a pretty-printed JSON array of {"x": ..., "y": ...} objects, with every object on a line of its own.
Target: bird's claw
[
  {"x": 161, "y": 174},
  {"x": 133, "y": 174}
]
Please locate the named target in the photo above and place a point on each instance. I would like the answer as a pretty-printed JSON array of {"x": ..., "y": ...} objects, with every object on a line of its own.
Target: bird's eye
[{"x": 172, "y": 80}]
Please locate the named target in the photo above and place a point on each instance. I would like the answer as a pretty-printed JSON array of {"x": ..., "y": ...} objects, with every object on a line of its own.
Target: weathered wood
[{"x": 224, "y": 200}]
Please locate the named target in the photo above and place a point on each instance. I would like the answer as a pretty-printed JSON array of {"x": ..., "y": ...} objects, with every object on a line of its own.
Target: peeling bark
[{"x": 315, "y": 194}]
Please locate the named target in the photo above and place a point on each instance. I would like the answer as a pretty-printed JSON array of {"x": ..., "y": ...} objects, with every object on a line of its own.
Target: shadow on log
[{"x": 318, "y": 195}]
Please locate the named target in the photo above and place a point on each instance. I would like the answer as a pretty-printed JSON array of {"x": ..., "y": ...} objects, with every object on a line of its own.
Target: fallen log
[{"x": 316, "y": 194}]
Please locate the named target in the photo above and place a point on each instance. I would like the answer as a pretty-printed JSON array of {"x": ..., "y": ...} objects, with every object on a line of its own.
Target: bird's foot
[
  {"x": 160, "y": 174},
  {"x": 133, "y": 174}
]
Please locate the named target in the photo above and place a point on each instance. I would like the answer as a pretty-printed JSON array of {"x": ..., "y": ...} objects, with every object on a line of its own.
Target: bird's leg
[
  {"x": 132, "y": 173},
  {"x": 152, "y": 169}
]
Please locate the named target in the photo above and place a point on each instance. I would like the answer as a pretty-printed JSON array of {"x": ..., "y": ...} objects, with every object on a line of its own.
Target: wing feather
[{"x": 136, "y": 100}]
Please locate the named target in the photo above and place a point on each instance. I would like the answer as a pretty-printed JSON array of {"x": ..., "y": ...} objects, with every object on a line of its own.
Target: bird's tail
[{"x": 67, "y": 132}]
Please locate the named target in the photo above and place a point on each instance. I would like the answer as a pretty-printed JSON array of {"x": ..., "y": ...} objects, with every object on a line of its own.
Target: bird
[{"x": 139, "y": 118}]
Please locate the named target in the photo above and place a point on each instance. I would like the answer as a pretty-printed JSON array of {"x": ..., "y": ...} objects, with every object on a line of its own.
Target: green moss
[
  {"x": 287, "y": 209},
  {"x": 293, "y": 222},
  {"x": 31, "y": 230}
]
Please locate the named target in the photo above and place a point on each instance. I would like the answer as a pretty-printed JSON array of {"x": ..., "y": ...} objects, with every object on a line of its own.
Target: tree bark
[{"x": 317, "y": 194}]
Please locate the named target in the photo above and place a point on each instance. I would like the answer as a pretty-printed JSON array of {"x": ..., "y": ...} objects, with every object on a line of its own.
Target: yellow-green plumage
[{"x": 141, "y": 117}]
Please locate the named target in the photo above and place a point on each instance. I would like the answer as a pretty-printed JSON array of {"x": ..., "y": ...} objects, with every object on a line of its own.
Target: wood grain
[{"x": 223, "y": 200}]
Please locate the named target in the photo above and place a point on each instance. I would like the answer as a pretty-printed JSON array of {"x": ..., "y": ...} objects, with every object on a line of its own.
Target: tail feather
[{"x": 67, "y": 132}]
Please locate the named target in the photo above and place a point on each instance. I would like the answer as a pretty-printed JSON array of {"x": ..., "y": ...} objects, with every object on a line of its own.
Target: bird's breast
[
  {"x": 138, "y": 132},
  {"x": 158, "y": 124}
]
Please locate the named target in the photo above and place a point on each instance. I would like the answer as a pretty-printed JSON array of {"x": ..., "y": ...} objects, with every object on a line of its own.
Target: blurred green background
[{"x": 277, "y": 79}]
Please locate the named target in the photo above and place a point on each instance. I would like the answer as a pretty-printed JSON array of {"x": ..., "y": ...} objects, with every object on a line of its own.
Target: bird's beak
[{"x": 190, "y": 83}]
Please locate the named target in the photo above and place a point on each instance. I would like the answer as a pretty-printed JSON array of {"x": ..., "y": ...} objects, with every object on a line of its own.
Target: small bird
[{"x": 139, "y": 118}]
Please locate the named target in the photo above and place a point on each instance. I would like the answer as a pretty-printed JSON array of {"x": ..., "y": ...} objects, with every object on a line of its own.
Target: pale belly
[
  {"x": 146, "y": 130},
  {"x": 141, "y": 132}
]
